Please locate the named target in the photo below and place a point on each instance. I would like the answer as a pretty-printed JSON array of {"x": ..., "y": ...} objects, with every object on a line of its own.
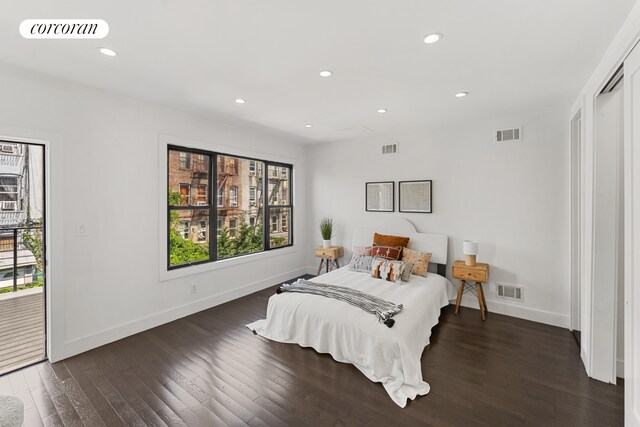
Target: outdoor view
[
  {"x": 239, "y": 206},
  {"x": 21, "y": 254}
]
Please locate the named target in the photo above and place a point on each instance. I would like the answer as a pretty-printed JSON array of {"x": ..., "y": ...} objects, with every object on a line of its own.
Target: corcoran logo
[{"x": 64, "y": 29}]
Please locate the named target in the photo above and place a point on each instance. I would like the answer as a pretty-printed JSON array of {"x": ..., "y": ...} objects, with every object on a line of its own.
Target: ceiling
[{"x": 512, "y": 57}]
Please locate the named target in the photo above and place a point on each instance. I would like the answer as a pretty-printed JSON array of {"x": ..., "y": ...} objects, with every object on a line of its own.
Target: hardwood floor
[{"x": 208, "y": 369}]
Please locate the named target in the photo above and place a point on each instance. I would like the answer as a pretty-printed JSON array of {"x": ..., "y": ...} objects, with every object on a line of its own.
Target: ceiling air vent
[
  {"x": 512, "y": 292},
  {"x": 390, "y": 149},
  {"x": 509, "y": 135}
]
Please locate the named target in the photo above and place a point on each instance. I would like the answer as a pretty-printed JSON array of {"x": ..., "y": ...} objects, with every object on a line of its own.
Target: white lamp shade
[{"x": 470, "y": 247}]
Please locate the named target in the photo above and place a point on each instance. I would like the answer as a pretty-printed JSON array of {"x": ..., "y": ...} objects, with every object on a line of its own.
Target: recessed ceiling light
[
  {"x": 308, "y": 125},
  {"x": 240, "y": 101},
  {"x": 382, "y": 110},
  {"x": 107, "y": 51},
  {"x": 432, "y": 38},
  {"x": 326, "y": 73},
  {"x": 461, "y": 94}
]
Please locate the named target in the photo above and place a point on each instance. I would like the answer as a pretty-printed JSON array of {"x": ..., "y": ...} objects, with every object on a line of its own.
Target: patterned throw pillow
[
  {"x": 406, "y": 271},
  {"x": 388, "y": 252},
  {"x": 420, "y": 261},
  {"x": 387, "y": 269},
  {"x": 361, "y": 250},
  {"x": 361, "y": 263}
]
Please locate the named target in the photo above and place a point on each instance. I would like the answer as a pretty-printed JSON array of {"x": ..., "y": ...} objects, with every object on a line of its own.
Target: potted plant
[{"x": 326, "y": 230}]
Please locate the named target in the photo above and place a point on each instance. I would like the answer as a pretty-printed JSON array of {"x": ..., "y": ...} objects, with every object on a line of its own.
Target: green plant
[{"x": 326, "y": 228}]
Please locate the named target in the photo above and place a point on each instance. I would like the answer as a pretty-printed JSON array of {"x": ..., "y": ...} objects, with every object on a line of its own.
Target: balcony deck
[{"x": 22, "y": 332}]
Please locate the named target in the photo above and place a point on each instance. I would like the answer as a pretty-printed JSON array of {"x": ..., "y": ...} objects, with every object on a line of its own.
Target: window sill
[{"x": 226, "y": 263}]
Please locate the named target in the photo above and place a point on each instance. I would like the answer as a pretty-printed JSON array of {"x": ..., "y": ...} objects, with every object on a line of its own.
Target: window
[
  {"x": 220, "y": 197},
  {"x": 279, "y": 205},
  {"x": 202, "y": 232},
  {"x": 201, "y": 199},
  {"x": 233, "y": 227},
  {"x": 252, "y": 196},
  {"x": 183, "y": 229},
  {"x": 185, "y": 194},
  {"x": 9, "y": 193},
  {"x": 256, "y": 200},
  {"x": 185, "y": 160},
  {"x": 233, "y": 197}
]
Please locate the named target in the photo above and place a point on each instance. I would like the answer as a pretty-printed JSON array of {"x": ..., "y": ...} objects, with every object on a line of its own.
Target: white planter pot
[{"x": 326, "y": 244}]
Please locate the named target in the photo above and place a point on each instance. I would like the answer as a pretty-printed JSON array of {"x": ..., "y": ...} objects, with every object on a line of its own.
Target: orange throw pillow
[{"x": 384, "y": 240}]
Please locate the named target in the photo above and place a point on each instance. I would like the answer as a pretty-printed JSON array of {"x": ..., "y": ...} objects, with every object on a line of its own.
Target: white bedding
[{"x": 390, "y": 356}]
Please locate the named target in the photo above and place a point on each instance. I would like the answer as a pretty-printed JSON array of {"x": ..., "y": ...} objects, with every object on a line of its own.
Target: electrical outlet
[
  {"x": 81, "y": 230},
  {"x": 193, "y": 287}
]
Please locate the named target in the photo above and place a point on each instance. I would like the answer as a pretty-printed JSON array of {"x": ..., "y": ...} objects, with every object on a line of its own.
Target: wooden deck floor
[
  {"x": 22, "y": 339},
  {"x": 208, "y": 369}
]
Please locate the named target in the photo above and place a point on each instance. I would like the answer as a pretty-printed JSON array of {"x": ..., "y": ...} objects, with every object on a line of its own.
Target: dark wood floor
[{"x": 209, "y": 369}]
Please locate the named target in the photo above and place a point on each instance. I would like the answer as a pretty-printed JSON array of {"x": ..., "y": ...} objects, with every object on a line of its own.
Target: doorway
[
  {"x": 608, "y": 234},
  {"x": 576, "y": 223},
  {"x": 22, "y": 255}
]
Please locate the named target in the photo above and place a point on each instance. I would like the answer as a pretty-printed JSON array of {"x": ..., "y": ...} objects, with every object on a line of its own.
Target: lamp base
[{"x": 470, "y": 260}]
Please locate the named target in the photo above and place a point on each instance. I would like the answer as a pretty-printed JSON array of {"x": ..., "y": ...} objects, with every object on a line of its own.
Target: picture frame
[
  {"x": 379, "y": 196},
  {"x": 415, "y": 196}
]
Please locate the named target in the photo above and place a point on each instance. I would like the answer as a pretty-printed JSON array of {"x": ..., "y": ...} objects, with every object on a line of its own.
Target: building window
[
  {"x": 185, "y": 160},
  {"x": 191, "y": 211},
  {"x": 220, "y": 197},
  {"x": 233, "y": 197},
  {"x": 9, "y": 193},
  {"x": 252, "y": 196},
  {"x": 233, "y": 227},
  {"x": 202, "y": 232},
  {"x": 183, "y": 229},
  {"x": 202, "y": 195},
  {"x": 185, "y": 194}
]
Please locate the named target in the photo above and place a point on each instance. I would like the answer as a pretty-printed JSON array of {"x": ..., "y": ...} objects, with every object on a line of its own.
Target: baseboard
[
  {"x": 527, "y": 313},
  {"x": 620, "y": 368},
  {"x": 312, "y": 270},
  {"x": 88, "y": 342}
]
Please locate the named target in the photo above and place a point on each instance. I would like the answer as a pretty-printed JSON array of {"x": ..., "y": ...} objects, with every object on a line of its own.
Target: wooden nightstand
[
  {"x": 479, "y": 274},
  {"x": 329, "y": 257}
]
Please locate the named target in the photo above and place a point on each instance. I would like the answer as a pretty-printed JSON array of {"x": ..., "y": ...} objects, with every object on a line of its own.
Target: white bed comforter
[{"x": 390, "y": 356}]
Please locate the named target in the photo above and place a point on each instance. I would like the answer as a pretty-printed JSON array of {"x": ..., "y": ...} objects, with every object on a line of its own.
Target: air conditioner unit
[{"x": 9, "y": 206}]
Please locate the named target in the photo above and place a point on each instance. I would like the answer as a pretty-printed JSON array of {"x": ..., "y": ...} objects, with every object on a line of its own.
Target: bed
[{"x": 390, "y": 356}]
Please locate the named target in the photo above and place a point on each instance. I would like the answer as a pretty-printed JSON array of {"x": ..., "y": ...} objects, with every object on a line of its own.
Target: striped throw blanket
[{"x": 383, "y": 310}]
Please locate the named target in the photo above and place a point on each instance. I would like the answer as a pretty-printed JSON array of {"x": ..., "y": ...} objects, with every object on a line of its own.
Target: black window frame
[{"x": 212, "y": 204}]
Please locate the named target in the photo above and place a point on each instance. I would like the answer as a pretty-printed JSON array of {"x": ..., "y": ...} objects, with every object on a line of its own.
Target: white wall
[
  {"x": 104, "y": 173},
  {"x": 513, "y": 198}
]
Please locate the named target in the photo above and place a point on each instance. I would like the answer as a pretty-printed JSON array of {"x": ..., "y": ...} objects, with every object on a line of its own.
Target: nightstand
[
  {"x": 479, "y": 274},
  {"x": 329, "y": 257}
]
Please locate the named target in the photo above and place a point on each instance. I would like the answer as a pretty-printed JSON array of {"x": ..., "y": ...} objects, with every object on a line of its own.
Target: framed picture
[
  {"x": 379, "y": 196},
  {"x": 415, "y": 196}
]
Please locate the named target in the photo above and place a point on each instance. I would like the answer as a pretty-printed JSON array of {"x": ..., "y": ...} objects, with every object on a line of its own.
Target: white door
[{"x": 632, "y": 241}]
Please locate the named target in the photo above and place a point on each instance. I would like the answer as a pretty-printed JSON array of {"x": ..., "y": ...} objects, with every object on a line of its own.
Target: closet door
[{"x": 632, "y": 240}]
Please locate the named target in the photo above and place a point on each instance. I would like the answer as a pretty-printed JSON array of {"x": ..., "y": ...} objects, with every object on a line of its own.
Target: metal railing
[{"x": 21, "y": 251}]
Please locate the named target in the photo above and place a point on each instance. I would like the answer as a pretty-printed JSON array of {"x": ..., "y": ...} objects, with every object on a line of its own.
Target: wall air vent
[
  {"x": 390, "y": 148},
  {"x": 7, "y": 148},
  {"x": 508, "y": 135},
  {"x": 512, "y": 292}
]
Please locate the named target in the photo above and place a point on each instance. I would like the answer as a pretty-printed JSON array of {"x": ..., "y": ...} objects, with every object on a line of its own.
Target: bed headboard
[{"x": 437, "y": 244}]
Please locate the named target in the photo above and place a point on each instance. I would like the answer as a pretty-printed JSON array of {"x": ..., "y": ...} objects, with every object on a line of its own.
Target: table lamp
[{"x": 470, "y": 250}]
